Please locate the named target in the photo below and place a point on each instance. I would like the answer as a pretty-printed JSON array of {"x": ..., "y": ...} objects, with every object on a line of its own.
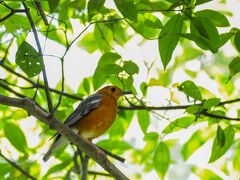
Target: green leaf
[
  {"x": 88, "y": 43},
  {"x": 212, "y": 102},
  {"x": 5, "y": 168},
  {"x": 130, "y": 67},
  {"x": 16, "y": 137},
  {"x": 55, "y": 35},
  {"x": 168, "y": 38},
  {"x": 106, "y": 60},
  {"x": 110, "y": 69},
  {"x": 194, "y": 109},
  {"x": 147, "y": 25},
  {"x": 161, "y": 159},
  {"x": 178, "y": 124},
  {"x": 206, "y": 174},
  {"x": 224, "y": 37},
  {"x": 127, "y": 8},
  {"x": 143, "y": 119},
  {"x": 86, "y": 85},
  {"x": 201, "y": 41},
  {"x": 236, "y": 157},
  {"x": 114, "y": 146},
  {"x": 56, "y": 168},
  {"x": 196, "y": 141},
  {"x": 120, "y": 34},
  {"x": 205, "y": 32},
  {"x": 237, "y": 40},
  {"x": 29, "y": 60},
  {"x": 216, "y": 17},
  {"x": 191, "y": 90},
  {"x": 199, "y": 2},
  {"x": 151, "y": 140},
  {"x": 12, "y": 26},
  {"x": 152, "y": 136},
  {"x": 53, "y": 4},
  {"x": 120, "y": 125},
  {"x": 93, "y": 7},
  {"x": 220, "y": 137},
  {"x": 200, "y": 27},
  {"x": 217, "y": 149},
  {"x": 144, "y": 88},
  {"x": 234, "y": 67},
  {"x": 103, "y": 36}
]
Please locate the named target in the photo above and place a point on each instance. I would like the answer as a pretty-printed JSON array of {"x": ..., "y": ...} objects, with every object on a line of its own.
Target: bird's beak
[{"x": 125, "y": 93}]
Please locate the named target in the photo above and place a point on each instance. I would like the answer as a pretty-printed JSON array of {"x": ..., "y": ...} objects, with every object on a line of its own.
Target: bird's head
[{"x": 113, "y": 91}]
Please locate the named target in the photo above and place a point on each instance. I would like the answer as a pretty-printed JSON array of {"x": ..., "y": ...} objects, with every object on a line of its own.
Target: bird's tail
[{"x": 59, "y": 142}]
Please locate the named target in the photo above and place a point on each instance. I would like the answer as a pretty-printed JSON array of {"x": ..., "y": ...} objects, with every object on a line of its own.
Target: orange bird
[{"x": 92, "y": 117}]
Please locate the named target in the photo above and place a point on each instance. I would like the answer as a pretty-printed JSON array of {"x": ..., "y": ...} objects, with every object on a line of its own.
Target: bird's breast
[{"x": 99, "y": 120}]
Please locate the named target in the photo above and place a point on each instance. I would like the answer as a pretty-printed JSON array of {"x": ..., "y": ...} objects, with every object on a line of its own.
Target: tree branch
[
  {"x": 84, "y": 165},
  {"x": 46, "y": 87},
  {"x": 37, "y": 85},
  {"x": 12, "y": 12},
  {"x": 25, "y": 173},
  {"x": 11, "y": 90},
  {"x": 41, "y": 12},
  {"x": 98, "y": 173},
  {"x": 219, "y": 116},
  {"x": 90, "y": 149},
  {"x": 161, "y": 108},
  {"x": 114, "y": 156}
]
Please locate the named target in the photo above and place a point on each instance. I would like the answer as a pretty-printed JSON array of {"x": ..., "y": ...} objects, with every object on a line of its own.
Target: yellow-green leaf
[
  {"x": 161, "y": 159},
  {"x": 16, "y": 137},
  {"x": 219, "y": 149},
  {"x": 168, "y": 38}
]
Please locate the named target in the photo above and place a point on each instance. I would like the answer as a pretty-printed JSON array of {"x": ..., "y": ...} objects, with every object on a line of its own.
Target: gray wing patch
[{"x": 86, "y": 106}]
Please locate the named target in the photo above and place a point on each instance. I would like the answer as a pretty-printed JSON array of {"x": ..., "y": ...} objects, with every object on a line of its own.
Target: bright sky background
[{"x": 79, "y": 64}]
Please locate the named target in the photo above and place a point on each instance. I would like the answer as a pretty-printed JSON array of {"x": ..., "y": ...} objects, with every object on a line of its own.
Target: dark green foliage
[
  {"x": 191, "y": 90},
  {"x": 29, "y": 60},
  {"x": 222, "y": 142},
  {"x": 168, "y": 38}
]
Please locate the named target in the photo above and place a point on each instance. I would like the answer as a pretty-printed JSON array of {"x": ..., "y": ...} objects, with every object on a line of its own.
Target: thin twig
[
  {"x": 6, "y": 52},
  {"x": 12, "y": 11},
  {"x": 76, "y": 167},
  {"x": 112, "y": 155},
  {"x": 84, "y": 165},
  {"x": 15, "y": 85},
  {"x": 36, "y": 90},
  {"x": 41, "y": 12},
  {"x": 178, "y": 107},
  {"x": 91, "y": 23},
  {"x": 37, "y": 85},
  {"x": 15, "y": 165},
  {"x": 95, "y": 173},
  {"x": 160, "y": 10},
  {"x": 11, "y": 90},
  {"x": 46, "y": 87},
  {"x": 62, "y": 86},
  {"x": 219, "y": 116}
]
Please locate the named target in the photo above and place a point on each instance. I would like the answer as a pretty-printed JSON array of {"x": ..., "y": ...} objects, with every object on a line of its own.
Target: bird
[{"x": 92, "y": 117}]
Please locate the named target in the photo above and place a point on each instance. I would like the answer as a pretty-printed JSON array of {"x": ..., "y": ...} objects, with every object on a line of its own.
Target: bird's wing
[{"x": 85, "y": 107}]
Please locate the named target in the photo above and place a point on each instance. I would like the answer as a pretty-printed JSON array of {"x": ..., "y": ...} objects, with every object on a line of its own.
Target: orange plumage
[{"x": 92, "y": 117}]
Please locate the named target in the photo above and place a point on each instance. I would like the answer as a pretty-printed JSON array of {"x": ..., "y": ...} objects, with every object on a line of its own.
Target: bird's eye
[{"x": 113, "y": 89}]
